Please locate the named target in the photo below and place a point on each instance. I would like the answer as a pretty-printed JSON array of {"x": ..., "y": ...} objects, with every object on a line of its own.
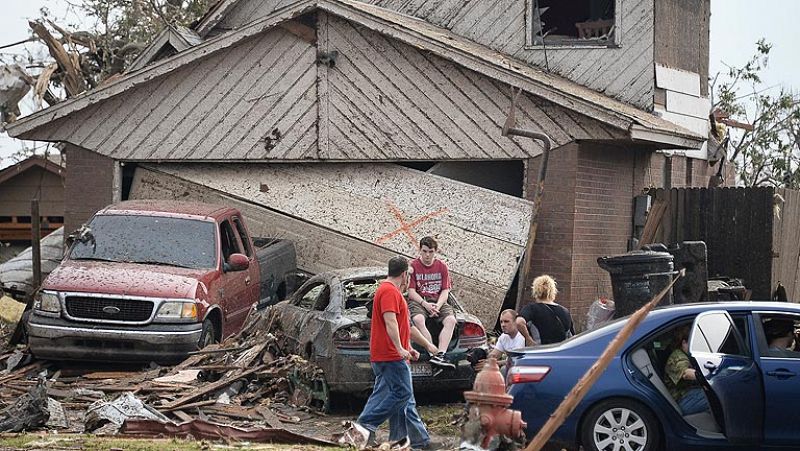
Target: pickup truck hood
[{"x": 126, "y": 279}]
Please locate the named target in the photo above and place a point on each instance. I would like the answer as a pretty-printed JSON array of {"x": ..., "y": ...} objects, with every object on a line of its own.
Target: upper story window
[{"x": 572, "y": 23}]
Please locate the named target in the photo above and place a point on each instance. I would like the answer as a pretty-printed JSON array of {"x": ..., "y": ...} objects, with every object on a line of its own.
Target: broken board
[{"x": 343, "y": 215}]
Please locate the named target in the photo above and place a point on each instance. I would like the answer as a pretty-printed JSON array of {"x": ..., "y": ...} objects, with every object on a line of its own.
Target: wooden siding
[
  {"x": 17, "y": 192},
  {"x": 391, "y": 101},
  {"x": 624, "y": 72},
  {"x": 342, "y": 215},
  {"x": 255, "y": 100}
]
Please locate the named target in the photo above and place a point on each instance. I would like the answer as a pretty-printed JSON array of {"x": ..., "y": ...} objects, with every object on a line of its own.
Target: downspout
[{"x": 510, "y": 130}]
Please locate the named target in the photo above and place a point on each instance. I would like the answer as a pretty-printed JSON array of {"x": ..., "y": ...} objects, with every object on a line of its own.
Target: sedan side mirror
[{"x": 237, "y": 262}]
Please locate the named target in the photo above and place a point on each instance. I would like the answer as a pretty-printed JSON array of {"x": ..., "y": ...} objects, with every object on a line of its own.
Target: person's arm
[
  {"x": 393, "y": 331},
  {"x": 522, "y": 328},
  {"x": 442, "y": 298},
  {"x": 498, "y": 350}
]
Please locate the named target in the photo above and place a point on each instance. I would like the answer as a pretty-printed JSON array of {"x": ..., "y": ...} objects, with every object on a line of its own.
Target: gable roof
[
  {"x": 412, "y": 31},
  {"x": 175, "y": 37},
  {"x": 50, "y": 164}
]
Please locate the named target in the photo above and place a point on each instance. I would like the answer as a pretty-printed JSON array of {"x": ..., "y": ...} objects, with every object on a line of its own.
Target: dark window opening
[
  {"x": 55, "y": 219},
  {"x": 243, "y": 236},
  {"x": 128, "y": 171},
  {"x": 6, "y": 219},
  {"x": 573, "y": 22},
  {"x": 23, "y": 219},
  {"x": 230, "y": 245}
]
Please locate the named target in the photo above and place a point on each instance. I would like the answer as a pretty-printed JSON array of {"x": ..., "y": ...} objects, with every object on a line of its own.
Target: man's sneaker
[
  {"x": 355, "y": 435},
  {"x": 440, "y": 361},
  {"x": 402, "y": 444}
]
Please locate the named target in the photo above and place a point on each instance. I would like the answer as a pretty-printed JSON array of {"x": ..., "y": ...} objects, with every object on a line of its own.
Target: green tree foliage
[{"x": 770, "y": 153}]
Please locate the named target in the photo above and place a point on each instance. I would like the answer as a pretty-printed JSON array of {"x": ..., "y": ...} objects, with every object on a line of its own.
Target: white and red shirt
[{"x": 429, "y": 281}]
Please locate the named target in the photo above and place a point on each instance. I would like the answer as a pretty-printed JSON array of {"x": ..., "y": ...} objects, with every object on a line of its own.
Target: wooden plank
[
  {"x": 687, "y": 105},
  {"x": 678, "y": 80},
  {"x": 697, "y": 125},
  {"x": 323, "y": 95},
  {"x": 211, "y": 387}
]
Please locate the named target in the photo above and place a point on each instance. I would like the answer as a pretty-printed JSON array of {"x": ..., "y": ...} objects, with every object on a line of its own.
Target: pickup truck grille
[{"x": 108, "y": 309}]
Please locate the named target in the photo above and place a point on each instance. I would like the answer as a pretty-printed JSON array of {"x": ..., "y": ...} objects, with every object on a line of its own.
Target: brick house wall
[
  {"x": 587, "y": 211},
  {"x": 88, "y": 186}
]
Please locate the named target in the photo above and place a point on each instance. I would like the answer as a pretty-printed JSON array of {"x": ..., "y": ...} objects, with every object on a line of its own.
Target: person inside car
[
  {"x": 428, "y": 291},
  {"x": 781, "y": 338},
  {"x": 681, "y": 378},
  {"x": 544, "y": 321}
]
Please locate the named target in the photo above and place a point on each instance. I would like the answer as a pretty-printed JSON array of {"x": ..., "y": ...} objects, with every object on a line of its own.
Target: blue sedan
[{"x": 753, "y": 390}]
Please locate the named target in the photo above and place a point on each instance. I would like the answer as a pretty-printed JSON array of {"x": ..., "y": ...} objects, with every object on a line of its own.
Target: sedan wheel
[{"x": 620, "y": 425}]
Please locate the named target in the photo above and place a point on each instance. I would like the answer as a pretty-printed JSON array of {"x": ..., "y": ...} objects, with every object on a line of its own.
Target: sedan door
[
  {"x": 732, "y": 378},
  {"x": 781, "y": 373}
]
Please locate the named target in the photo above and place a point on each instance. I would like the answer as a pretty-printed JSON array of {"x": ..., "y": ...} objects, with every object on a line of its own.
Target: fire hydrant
[{"x": 489, "y": 403}]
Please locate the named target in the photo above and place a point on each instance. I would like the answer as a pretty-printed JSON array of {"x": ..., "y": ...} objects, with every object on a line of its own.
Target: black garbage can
[{"x": 636, "y": 277}]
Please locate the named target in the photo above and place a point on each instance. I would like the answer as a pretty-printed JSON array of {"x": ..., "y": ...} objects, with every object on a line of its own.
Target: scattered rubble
[{"x": 244, "y": 388}]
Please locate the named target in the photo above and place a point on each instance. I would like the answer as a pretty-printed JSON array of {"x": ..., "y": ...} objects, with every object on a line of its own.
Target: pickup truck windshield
[{"x": 180, "y": 242}]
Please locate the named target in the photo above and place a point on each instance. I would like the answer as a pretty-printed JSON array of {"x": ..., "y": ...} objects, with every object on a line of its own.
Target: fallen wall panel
[{"x": 343, "y": 215}]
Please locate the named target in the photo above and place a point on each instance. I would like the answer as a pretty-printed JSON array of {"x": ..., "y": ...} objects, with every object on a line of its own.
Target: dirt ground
[{"x": 439, "y": 415}]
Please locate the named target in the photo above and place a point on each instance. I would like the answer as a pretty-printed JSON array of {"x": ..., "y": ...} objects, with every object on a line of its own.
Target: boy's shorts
[{"x": 416, "y": 309}]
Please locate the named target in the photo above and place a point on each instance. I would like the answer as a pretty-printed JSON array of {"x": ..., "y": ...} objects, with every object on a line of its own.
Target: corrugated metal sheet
[
  {"x": 343, "y": 215},
  {"x": 624, "y": 72}
]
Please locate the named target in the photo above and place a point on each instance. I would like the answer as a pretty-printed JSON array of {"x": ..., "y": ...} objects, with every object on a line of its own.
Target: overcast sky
[{"x": 736, "y": 25}]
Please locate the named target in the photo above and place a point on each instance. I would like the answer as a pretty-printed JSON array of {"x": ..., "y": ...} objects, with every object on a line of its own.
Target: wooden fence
[{"x": 751, "y": 233}]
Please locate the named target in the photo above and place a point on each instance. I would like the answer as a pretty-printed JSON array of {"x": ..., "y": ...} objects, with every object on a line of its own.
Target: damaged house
[{"x": 354, "y": 128}]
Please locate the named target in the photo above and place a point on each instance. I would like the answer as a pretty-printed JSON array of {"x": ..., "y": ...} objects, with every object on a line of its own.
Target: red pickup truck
[{"x": 152, "y": 281}]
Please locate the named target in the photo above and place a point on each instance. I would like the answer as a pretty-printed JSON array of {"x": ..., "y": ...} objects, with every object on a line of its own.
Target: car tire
[
  {"x": 624, "y": 422},
  {"x": 208, "y": 335}
]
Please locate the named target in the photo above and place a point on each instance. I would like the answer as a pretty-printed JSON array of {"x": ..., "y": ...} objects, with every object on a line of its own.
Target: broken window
[{"x": 572, "y": 22}]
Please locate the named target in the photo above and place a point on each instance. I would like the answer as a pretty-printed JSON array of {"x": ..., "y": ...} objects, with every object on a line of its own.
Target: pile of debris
[{"x": 245, "y": 388}]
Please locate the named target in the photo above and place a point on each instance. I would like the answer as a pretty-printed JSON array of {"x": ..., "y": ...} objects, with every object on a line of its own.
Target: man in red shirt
[
  {"x": 390, "y": 350},
  {"x": 428, "y": 291}
]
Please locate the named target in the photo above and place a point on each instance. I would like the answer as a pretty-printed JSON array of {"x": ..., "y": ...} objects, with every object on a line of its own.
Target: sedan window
[
  {"x": 359, "y": 292},
  {"x": 780, "y": 332},
  {"x": 715, "y": 334}
]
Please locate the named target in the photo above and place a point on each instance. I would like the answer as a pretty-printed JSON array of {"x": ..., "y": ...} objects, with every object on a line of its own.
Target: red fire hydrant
[{"x": 491, "y": 400}]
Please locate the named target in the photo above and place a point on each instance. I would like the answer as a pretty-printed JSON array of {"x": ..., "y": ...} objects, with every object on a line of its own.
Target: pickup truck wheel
[{"x": 208, "y": 335}]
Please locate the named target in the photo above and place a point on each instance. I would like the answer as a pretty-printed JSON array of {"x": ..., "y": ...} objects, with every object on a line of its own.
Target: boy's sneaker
[
  {"x": 355, "y": 435},
  {"x": 440, "y": 361}
]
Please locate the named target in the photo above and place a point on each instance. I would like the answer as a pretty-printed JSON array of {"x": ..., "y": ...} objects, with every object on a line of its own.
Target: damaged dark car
[{"x": 326, "y": 321}]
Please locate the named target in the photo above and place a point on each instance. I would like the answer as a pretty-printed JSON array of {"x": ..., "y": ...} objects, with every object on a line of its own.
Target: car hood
[{"x": 125, "y": 279}]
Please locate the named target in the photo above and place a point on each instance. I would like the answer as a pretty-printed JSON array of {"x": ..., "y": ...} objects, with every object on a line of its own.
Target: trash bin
[{"x": 636, "y": 277}]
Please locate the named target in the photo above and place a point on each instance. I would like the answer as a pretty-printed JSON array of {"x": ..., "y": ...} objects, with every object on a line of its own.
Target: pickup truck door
[
  {"x": 252, "y": 281},
  {"x": 733, "y": 380},
  {"x": 234, "y": 285}
]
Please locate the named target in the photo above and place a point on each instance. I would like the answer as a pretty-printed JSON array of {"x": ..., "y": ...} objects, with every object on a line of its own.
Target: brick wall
[
  {"x": 552, "y": 251},
  {"x": 88, "y": 185}
]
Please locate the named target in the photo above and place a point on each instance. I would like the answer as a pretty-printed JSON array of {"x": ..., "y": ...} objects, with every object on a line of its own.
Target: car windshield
[{"x": 187, "y": 243}]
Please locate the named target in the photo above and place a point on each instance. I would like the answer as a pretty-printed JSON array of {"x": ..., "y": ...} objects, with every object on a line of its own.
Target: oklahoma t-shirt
[
  {"x": 429, "y": 281},
  {"x": 388, "y": 299}
]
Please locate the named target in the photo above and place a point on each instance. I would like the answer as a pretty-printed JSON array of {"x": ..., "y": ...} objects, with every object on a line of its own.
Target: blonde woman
[{"x": 544, "y": 321}]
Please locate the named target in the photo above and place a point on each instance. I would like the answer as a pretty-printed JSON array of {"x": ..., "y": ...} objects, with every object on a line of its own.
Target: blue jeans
[
  {"x": 407, "y": 422},
  {"x": 694, "y": 401}
]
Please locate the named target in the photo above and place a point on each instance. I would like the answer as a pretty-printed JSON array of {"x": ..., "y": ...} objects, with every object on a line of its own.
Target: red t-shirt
[
  {"x": 388, "y": 299},
  {"x": 429, "y": 281}
]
